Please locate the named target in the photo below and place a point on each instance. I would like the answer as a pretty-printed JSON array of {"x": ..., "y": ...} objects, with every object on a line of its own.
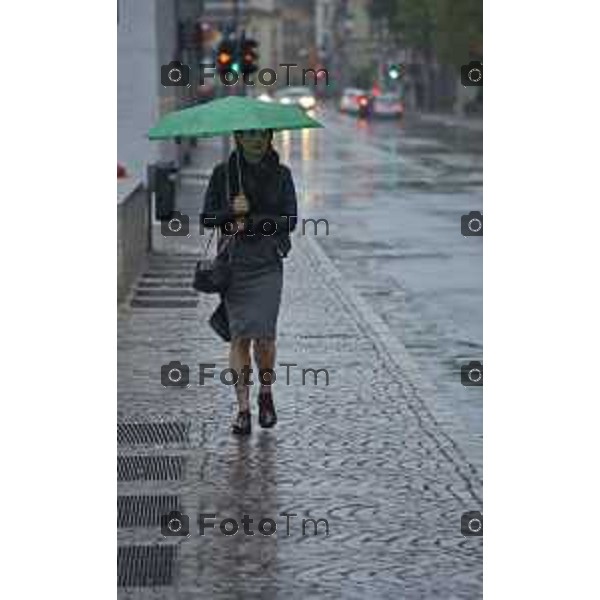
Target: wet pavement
[
  {"x": 393, "y": 194},
  {"x": 388, "y": 453}
]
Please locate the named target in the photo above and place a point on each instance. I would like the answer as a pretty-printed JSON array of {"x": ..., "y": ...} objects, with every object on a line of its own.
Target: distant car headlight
[
  {"x": 264, "y": 98},
  {"x": 306, "y": 102},
  {"x": 286, "y": 101}
]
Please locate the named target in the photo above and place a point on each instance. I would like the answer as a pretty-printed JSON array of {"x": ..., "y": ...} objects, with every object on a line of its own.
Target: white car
[
  {"x": 351, "y": 100},
  {"x": 303, "y": 97},
  {"x": 388, "y": 105}
]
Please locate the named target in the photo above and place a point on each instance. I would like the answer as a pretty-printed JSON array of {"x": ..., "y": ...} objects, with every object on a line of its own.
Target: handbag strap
[
  {"x": 210, "y": 239},
  {"x": 239, "y": 171},
  {"x": 239, "y": 174},
  {"x": 227, "y": 192}
]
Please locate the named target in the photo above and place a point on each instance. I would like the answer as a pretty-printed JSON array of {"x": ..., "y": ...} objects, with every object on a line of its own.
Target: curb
[{"x": 418, "y": 392}]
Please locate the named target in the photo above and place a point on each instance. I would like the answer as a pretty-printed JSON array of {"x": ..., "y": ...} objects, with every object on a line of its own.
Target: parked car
[
  {"x": 388, "y": 105},
  {"x": 301, "y": 96}
]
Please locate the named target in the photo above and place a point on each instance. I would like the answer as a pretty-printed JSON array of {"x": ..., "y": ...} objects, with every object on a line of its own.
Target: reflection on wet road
[{"x": 393, "y": 194}]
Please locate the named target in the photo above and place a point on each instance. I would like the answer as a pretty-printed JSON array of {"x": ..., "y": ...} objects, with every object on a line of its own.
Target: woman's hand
[{"x": 240, "y": 205}]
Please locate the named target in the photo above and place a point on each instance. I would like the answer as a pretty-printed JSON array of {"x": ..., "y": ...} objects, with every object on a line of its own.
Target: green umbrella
[{"x": 233, "y": 113}]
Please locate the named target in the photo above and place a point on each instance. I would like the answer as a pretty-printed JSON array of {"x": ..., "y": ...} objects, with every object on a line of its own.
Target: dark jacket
[{"x": 271, "y": 195}]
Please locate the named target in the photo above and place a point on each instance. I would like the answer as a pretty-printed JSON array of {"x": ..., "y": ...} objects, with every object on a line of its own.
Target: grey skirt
[{"x": 254, "y": 293}]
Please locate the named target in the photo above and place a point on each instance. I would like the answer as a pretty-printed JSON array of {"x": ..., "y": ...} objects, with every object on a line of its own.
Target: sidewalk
[{"x": 364, "y": 453}]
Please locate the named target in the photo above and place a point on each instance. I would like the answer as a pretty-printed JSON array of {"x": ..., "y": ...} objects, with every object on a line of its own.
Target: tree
[{"x": 450, "y": 30}]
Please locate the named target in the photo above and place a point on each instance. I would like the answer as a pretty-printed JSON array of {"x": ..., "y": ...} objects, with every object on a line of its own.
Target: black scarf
[{"x": 260, "y": 181}]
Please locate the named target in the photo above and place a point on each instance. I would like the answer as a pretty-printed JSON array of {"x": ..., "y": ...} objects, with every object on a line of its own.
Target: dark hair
[{"x": 241, "y": 132}]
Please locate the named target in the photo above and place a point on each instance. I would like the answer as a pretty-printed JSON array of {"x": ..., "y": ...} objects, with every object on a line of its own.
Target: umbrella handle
[{"x": 239, "y": 170}]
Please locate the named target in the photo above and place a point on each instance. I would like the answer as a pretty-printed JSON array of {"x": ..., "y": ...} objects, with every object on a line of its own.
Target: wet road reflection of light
[
  {"x": 285, "y": 145},
  {"x": 363, "y": 125},
  {"x": 306, "y": 145}
]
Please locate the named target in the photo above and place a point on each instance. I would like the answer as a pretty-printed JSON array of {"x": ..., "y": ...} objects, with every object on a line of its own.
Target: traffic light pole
[
  {"x": 236, "y": 56},
  {"x": 226, "y": 142}
]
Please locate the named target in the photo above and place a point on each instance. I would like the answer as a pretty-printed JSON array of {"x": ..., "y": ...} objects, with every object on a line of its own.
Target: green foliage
[{"x": 450, "y": 29}]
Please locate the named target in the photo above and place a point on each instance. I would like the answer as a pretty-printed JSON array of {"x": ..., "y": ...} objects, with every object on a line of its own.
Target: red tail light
[{"x": 362, "y": 101}]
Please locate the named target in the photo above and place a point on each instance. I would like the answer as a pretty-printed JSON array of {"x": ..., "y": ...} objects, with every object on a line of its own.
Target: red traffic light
[
  {"x": 249, "y": 55},
  {"x": 225, "y": 53},
  {"x": 224, "y": 58}
]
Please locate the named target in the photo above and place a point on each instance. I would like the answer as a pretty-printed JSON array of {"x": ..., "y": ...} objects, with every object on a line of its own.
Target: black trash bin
[{"x": 161, "y": 181}]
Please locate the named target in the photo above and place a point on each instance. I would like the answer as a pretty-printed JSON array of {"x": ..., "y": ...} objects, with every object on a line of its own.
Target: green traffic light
[
  {"x": 235, "y": 67},
  {"x": 394, "y": 72}
]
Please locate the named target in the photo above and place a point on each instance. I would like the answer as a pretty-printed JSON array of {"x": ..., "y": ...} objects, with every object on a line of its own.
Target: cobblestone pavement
[{"x": 365, "y": 453}]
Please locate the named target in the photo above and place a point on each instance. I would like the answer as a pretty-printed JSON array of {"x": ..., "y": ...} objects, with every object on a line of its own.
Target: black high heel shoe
[
  {"x": 267, "y": 417},
  {"x": 242, "y": 424}
]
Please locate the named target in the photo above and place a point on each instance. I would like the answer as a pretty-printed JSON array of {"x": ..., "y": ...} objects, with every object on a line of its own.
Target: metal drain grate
[
  {"x": 154, "y": 468},
  {"x": 162, "y": 303},
  {"x": 151, "y": 284},
  {"x": 144, "y": 511},
  {"x": 155, "y": 434},
  {"x": 145, "y": 566},
  {"x": 168, "y": 275},
  {"x": 159, "y": 303},
  {"x": 165, "y": 293}
]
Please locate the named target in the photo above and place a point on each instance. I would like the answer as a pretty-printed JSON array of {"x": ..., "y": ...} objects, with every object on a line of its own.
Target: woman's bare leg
[
  {"x": 239, "y": 361},
  {"x": 264, "y": 357}
]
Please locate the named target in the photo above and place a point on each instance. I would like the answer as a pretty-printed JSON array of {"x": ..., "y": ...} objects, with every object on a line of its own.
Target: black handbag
[{"x": 212, "y": 275}]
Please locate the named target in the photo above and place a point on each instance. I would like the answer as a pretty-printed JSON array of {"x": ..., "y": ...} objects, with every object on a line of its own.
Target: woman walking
[{"x": 252, "y": 195}]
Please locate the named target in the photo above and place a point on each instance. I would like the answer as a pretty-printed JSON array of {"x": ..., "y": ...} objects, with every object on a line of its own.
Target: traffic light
[
  {"x": 226, "y": 57},
  {"x": 249, "y": 56},
  {"x": 395, "y": 71}
]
